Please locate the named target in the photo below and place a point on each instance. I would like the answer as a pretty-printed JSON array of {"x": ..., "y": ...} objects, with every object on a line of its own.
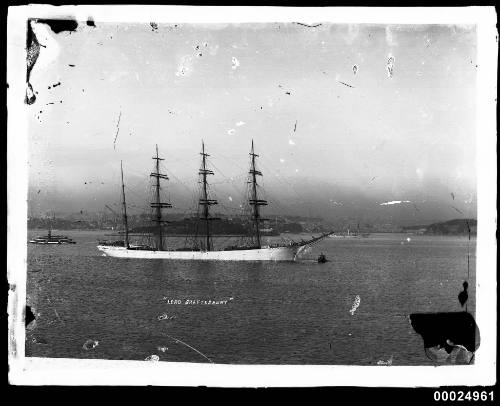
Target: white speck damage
[
  {"x": 89, "y": 344},
  {"x": 388, "y": 362},
  {"x": 235, "y": 62},
  {"x": 394, "y": 202},
  {"x": 355, "y": 305},
  {"x": 185, "y": 67},
  {"x": 390, "y": 65}
]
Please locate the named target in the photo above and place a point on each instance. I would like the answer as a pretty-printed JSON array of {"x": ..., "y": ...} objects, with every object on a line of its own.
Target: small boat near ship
[
  {"x": 322, "y": 258},
  {"x": 52, "y": 239},
  {"x": 203, "y": 249}
]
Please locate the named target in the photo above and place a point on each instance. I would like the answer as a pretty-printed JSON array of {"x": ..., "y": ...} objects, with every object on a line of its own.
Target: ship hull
[{"x": 260, "y": 254}]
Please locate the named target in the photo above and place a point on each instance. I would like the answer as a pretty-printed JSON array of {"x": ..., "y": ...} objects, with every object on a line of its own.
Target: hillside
[{"x": 452, "y": 227}]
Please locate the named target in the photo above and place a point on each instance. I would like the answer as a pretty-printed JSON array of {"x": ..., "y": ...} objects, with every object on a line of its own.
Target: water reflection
[{"x": 281, "y": 312}]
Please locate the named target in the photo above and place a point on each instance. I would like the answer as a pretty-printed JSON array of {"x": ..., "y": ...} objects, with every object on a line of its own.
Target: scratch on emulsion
[
  {"x": 117, "y": 129},
  {"x": 187, "y": 345},
  {"x": 346, "y": 84},
  {"x": 355, "y": 305},
  {"x": 309, "y": 25}
]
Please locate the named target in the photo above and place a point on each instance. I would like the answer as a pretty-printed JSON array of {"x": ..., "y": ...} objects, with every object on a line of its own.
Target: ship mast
[
  {"x": 125, "y": 223},
  {"x": 157, "y": 204},
  {"x": 51, "y": 224},
  {"x": 205, "y": 201},
  {"x": 49, "y": 233},
  {"x": 254, "y": 200}
]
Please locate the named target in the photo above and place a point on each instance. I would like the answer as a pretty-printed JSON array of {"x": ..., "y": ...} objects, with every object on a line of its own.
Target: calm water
[{"x": 276, "y": 313}]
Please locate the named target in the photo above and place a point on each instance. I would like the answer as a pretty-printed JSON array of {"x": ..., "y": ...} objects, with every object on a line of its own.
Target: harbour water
[{"x": 351, "y": 310}]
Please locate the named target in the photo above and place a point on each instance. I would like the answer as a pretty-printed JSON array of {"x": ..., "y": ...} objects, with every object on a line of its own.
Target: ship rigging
[{"x": 204, "y": 249}]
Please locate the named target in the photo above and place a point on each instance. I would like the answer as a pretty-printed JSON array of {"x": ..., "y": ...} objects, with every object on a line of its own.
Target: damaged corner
[
  {"x": 32, "y": 53},
  {"x": 33, "y": 46}
]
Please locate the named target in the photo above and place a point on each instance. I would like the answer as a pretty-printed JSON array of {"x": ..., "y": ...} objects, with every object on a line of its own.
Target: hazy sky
[{"x": 337, "y": 133}]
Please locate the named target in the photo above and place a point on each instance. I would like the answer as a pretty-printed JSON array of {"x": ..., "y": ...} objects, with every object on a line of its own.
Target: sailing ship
[{"x": 204, "y": 250}]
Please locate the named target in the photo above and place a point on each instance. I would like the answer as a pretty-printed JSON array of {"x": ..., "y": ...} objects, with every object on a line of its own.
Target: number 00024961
[{"x": 455, "y": 396}]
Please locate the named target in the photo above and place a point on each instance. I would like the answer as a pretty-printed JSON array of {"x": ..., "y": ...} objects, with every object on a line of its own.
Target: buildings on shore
[{"x": 275, "y": 225}]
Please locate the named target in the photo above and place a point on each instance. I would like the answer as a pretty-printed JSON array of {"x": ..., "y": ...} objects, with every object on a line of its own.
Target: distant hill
[
  {"x": 59, "y": 224},
  {"x": 453, "y": 227}
]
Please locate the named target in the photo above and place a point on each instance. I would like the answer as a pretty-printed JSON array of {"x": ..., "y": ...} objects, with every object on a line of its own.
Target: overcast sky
[{"x": 344, "y": 117}]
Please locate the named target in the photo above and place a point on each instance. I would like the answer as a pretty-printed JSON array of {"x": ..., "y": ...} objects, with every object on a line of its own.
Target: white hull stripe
[{"x": 262, "y": 254}]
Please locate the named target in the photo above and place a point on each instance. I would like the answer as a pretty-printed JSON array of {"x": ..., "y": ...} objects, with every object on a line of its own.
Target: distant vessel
[
  {"x": 204, "y": 249},
  {"x": 350, "y": 234},
  {"x": 52, "y": 239}
]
